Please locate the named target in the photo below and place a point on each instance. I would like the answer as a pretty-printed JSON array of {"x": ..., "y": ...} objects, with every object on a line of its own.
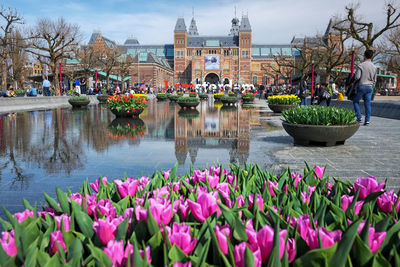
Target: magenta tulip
[
  {"x": 7, "y": 241},
  {"x": 56, "y": 238},
  {"x": 259, "y": 201},
  {"x": 239, "y": 255},
  {"x": 291, "y": 249},
  {"x": 95, "y": 186},
  {"x": 161, "y": 210},
  {"x": 162, "y": 192},
  {"x": 265, "y": 239},
  {"x": 21, "y": 216},
  {"x": 345, "y": 201},
  {"x": 143, "y": 181},
  {"x": 66, "y": 221},
  {"x": 387, "y": 201},
  {"x": 115, "y": 251},
  {"x": 297, "y": 178},
  {"x": 367, "y": 186},
  {"x": 180, "y": 236},
  {"x": 180, "y": 264},
  {"x": 223, "y": 233},
  {"x": 78, "y": 198},
  {"x": 306, "y": 198},
  {"x": 328, "y": 239},
  {"x": 166, "y": 174},
  {"x": 223, "y": 189},
  {"x": 375, "y": 239},
  {"x": 271, "y": 187},
  {"x": 204, "y": 207},
  {"x": 106, "y": 208},
  {"x": 319, "y": 171},
  {"x": 106, "y": 228},
  {"x": 127, "y": 187},
  {"x": 141, "y": 214},
  {"x": 215, "y": 170}
]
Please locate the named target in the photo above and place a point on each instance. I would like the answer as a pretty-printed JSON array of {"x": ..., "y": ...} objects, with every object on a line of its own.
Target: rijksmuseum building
[{"x": 195, "y": 58}]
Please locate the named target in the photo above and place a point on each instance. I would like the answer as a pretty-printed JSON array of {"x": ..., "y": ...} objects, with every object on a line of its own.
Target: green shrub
[
  {"x": 79, "y": 98},
  {"x": 229, "y": 98},
  {"x": 188, "y": 99},
  {"x": 17, "y": 92},
  {"x": 319, "y": 115}
]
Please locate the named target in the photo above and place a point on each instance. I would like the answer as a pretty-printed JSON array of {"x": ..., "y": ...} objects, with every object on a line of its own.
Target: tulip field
[{"x": 244, "y": 216}]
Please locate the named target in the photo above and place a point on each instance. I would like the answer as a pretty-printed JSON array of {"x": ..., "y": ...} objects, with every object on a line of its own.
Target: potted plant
[
  {"x": 248, "y": 97},
  {"x": 102, "y": 98},
  {"x": 192, "y": 94},
  {"x": 71, "y": 92},
  {"x": 174, "y": 98},
  {"x": 19, "y": 93},
  {"x": 188, "y": 114},
  {"x": 180, "y": 93},
  {"x": 131, "y": 128},
  {"x": 203, "y": 96},
  {"x": 218, "y": 96},
  {"x": 232, "y": 94},
  {"x": 278, "y": 103},
  {"x": 319, "y": 124},
  {"x": 188, "y": 102},
  {"x": 161, "y": 96},
  {"x": 79, "y": 101},
  {"x": 126, "y": 106},
  {"x": 229, "y": 100}
]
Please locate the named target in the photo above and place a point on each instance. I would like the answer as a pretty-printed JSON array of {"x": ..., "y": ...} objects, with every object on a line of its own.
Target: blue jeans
[
  {"x": 365, "y": 93},
  {"x": 303, "y": 101}
]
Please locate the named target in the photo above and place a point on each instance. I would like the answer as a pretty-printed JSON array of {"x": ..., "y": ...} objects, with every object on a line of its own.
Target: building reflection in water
[{"x": 213, "y": 128}]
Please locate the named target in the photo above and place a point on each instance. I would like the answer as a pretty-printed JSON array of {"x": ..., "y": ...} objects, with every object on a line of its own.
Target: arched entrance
[{"x": 212, "y": 78}]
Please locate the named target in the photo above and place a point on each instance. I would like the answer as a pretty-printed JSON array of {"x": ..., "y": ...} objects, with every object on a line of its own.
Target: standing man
[
  {"x": 46, "y": 87},
  {"x": 303, "y": 91},
  {"x": 366, "y": 74},
  {"x": 261, "y": 90},
  {"x": 78, "y": 87}
]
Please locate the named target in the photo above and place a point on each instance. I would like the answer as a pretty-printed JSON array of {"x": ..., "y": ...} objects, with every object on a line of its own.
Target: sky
[{"x": 153, "y": 21}]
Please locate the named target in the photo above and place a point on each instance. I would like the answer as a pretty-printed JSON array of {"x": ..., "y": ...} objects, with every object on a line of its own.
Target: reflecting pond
[{"x": 40, "y": 150}]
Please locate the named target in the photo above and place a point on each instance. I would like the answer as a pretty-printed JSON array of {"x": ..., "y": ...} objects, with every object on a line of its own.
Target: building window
[
  {"x": 235, "y": 52},
  {"x": 179, "y": 54},
  {"x": 198, "y": 53},
  {"x": 245, "y": 54},
  {"x": 189, "y": 52},
  {"x": 254, "y": 79},
  {"x": 226, "y": 52},
  {"x": 244, "y": 66}
]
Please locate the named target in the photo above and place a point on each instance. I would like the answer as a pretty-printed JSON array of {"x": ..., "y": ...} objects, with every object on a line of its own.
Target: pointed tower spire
[
  {"x": 180, "y": 25},
  {"x": 193, "y": 27},
  {"x": 235, "y": 26}
]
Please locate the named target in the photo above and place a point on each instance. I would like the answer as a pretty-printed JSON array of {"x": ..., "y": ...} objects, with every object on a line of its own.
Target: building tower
[
  {"x": 244, "y": 49},
  {"x": 180, "y": 44},
  {"x": 193, "y": 28}
]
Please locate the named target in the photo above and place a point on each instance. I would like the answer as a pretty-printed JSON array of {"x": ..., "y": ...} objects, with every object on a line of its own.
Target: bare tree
[
  {"x": 18, "y": 56},
  {"x": 88, "y": 60},
  {"x": 54, "y": 41},
  {"x": 393, "y": 50},
  {"x": 10, "y": 18},
  {"x": 108, "y": 60},
  {"x": 364, "y": 32},
  {"x": 124, "y": 63}
]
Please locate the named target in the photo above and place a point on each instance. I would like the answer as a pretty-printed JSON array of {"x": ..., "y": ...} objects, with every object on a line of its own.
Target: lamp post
[
  {"x": 312, "y": 79},
  {"x": 291, "y": 76},
  {"x": 277, "y": 81},
  {"x": 352, "y": 60}
]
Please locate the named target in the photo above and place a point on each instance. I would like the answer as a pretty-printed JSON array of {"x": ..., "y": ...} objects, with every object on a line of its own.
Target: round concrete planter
[
  {"x": 162, "y": 97},
  {"x": 173, "y": 98},
  {"x": 320, "y": 134},
  {"x": 126, "y": 113},
  {"x": 79, "y": 103},
  {"x": 228, "y": 101},
  {"x": 279, "y": 108},
  {"x": 203, "y": 96},
  {"x": 102, "y": 99},
  {"x": 218, "y": 97},
  {"x": 188, "y": 113},
  {"x": 185, "y": 104},
  {"x": 247, "y": 100}
]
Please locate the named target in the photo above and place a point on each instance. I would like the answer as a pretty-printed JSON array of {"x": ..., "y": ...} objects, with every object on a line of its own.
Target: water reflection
[{"x": 64, "y": 140}]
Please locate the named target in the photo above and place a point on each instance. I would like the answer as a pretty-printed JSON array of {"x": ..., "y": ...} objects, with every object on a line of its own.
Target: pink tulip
[
  {"x": 204, "y": 207},
  {"x": 271, "y": 187},
  {"x": 7, "y": 241},
  {"x": 127, "y": 188},
  {"x": 166, "y": 174},
  {"x": 230, "y": 178},
  {"x": 375, "y": 239},
  {"x": 311, "y": 189},
  {"x": 143, "y": 181},
  {"x": 319, "y": 171},
  {"x": 161, "y": 210},
  {"x": 106, "y": 208},
  {"x": 21, "y": 216},
  {"x": 115, "y": 251},
  {"x": 180, "y": 236},
  {"x": 56, "y": 238},
  {"x": 78, "y": 198},
  {"x": 240, "y": 201},
  {"x": 223, "y": 189},
  {"x": 180, "y": 264},
  {"x": 259, "y": 201},
  {"x": 130, "y": 251},
  {"x": 222, "y": 233},
  {"x": 141, "y": 214},
  {"x": 387, "y": 201},
  {"x": 184, "y": 208},
  {"x": 265, "y": 239},
  {"x": 66, "y": 221},
  {"x": 345, "y": 201},
  {"x": 367, "y": 186},
  {"x": 328, "y": 239},
  {"x": 106, "y": 228},
  {"x": 162, "y": 192},
  {"x": 297, "y": 178},
  {"x": 95, "y": 186},
  {"x": 291, "y": 249},
  {"x": 305, "y": 197},
  {"x": 239, "y": 255},
  {"x": 358, "y": 207},
  {"x": 175, "y": 186},
  {"x": 215, "y": 170}
]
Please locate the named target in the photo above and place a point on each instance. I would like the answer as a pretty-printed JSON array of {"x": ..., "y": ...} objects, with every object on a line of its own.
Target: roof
[
  {"x": 164, "y": 51},
  {"x": 268, "y": 51},
  {"x": 96, "y": 35},
  {"x": 245, "y": 24},
  {"x": 193, "y": 28},
  {"x": 330, "y": 29},
  {"x": 213, "y": 41},
  {"x": 131, "y": 41},
  {"x": 180, "y": 25},
  {"x": 145, "y": 57}
]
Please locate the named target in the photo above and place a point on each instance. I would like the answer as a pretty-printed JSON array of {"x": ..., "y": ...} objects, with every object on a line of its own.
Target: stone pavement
[{"x": 373, "y": 151}]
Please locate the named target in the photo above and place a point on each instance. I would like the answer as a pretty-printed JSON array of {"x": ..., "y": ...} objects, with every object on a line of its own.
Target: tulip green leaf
[
  {"x": 83, "y": 220},
  {"x": 53, "y": 262},
  {"x": 152, "y": 226},
  {"x": 390, "y": 237},
  {"x": 172, "y": 174},
  {"x": 75, "y": 252},
  {"x": 122, "y": 229},
  {"x": 27, "y": 205},
  {"x": 204, "y": 253},
  {"x": 316, "y": 257},
  {"x": 380, "y": 261},
  {"x": 248, "y": 257},
  {"x": 52, "y": 203},
  {"x": 64, "y": 203},
  {"x": 360, "y": 248},
  {"x": 175, "y": 254}
]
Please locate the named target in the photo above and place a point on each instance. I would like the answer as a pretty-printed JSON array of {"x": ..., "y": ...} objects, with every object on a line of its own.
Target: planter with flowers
[
  {"x": 188, "y": 102},
  {"x": 131, "y": 128},
  {"x": 218, "y": 96},
  {"x": 102, "y": 98},
  {"x": 279, "y": 103},
  {"x": 161, "y": 96},
  {"x": 203, "y": 96},
  {"x": 193, "y": 94},
  {"x": 229, "y": 100},
  {"x": 126, "y": 106},
  {"x": 79, "y": 101},
  {"x": 19, "y": 93},
  {"x": 319, "y": 125},
  {"x": 210, "y": 217},
  {"x": 248, "y": 97},
  {"x": 173, "y": 98}
]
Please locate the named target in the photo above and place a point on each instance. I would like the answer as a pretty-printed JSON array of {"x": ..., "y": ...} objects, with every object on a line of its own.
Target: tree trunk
[
  {"x": 4, "y": 76},
  {"x": 122, "y": 83},
  {"x": 108, "y": 81},
  {"x": 56, "y": 80}
]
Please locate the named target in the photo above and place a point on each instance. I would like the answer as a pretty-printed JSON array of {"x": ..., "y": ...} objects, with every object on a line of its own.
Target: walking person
[
  {"x": 46, "y": 87},
  {"x": 78, "y": 87},
  {"x": 366, "y": 74},
  {"x": 261, "y": 90}
]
